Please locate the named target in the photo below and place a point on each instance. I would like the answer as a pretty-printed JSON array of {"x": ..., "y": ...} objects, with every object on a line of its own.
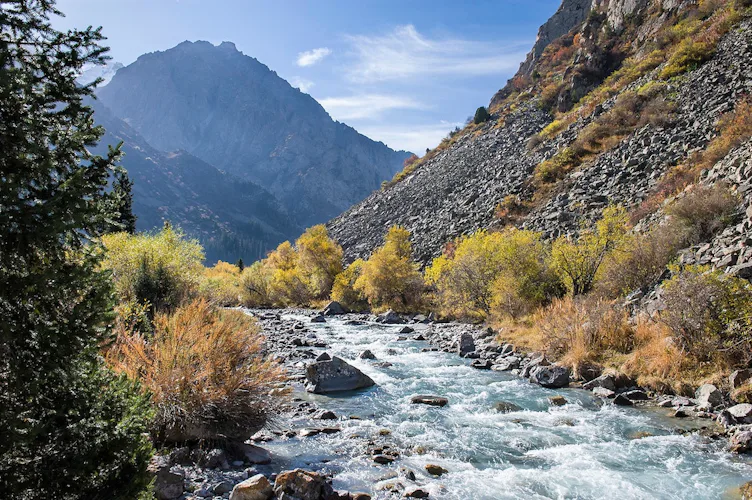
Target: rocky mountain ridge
[
  {"x": 233, "y": 112},
  {"x": 461, "y": 186}
]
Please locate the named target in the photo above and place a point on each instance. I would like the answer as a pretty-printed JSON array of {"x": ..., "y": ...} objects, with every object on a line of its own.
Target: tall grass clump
[{"x": 205, "y": 370}]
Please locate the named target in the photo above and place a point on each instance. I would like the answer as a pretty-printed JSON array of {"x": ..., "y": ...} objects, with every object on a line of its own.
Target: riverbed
[{"x": 583, "y": 449}]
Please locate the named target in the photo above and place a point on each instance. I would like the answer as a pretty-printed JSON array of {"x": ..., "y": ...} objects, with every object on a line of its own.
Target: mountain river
[{"x": 584, "y": 449}]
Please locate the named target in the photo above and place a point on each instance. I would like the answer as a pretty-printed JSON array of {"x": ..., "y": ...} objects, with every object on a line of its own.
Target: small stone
[
  {"x": 318, "y": 319},
  {"x": 367, "y": 354},
  {"x": 602, "y": 392},
  {"x": 415, "y": 493},
  {"x": 323, "y": 357},
  {"x": 436, "y": 470},
  {"x": 622, "y": 400},
  {"x": 429, "y": 400},
  {"x": 506, "y": 407},
  {"x": 325, "y": 415},
  {"x": 407, "y": 329},
  {"x": 383, "y": 459},
  {"x": 557, "y": 400}
]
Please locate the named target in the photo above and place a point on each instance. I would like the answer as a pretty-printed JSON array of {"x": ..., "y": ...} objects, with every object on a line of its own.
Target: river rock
[
  {"x": 324, "y": 356},
  {"x": 602, "y": 392},
  {"x": 742, "y": 413},
  {"x": 334, "y": 308},
  {"x": 739, "y": 377},
  {"x": 325, "y": 415},
  {"x": 635, "y": 395},
  {"x": 506, "y": 407},
  {"x": 741, "y": 442},
  {"x": 708, "y": 394},
  {"x": 557, "y": 400},
  {"x": 318, "y": 319},
  {"x": 550, "y": 377},
  {"x": 506, "y": 364},
  {"x": 389, "y": 318},
  {"x": 255, "y": 455},
  {"x": 622, "y": 400},
  {"x": 301, "y": 485},
  {"x": 429, "y": 400},
  {"x": 415, "y": 493},
  {"x": 465, "y": 344},
  {"x": 407, "y": 329},
  {"x": 482, "y": 364},
  {"x": 605, "y": 381},
  {"x": 335, "y": 375},
  {"x": 253, "y": 488},
  {"x": 436, "y": 470},
  {"x": 367, "y": 354},
  {"x": 168, "y": 485}
]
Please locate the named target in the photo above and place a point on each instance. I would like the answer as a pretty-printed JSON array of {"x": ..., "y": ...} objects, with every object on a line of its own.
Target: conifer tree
[{"x": 69, "y": 428}]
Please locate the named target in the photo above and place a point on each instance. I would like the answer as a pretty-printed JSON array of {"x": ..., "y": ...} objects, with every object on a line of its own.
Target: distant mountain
[
  {"x": 231, "y": 217},
  {"x": 91, "y": 72},
  {"x": 233, "y": 112}
]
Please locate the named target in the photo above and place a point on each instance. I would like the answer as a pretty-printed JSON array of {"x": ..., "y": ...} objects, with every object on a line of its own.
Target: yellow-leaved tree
[
  {"x": 389, "y": 278},
  {"x": 287, "y": 286},
  {"x": 158, "y": 269},
  {"x": 319, "y": 259},
  {"x": 221, "y": 284},
  {"x": 343, "y": 290},
  {"x": 578, "y": 260},
  {"x": 504, "y": 271}
]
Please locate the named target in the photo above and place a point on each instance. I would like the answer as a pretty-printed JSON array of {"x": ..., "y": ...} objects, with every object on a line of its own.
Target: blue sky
[{"x": 402, "y": 72}]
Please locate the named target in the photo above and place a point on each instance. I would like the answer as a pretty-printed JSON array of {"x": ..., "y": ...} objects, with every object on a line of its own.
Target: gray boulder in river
[{"x": 335, "y": 375}]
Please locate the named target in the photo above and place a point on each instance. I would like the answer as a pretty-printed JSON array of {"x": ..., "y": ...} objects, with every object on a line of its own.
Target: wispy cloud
[
  {"x": 311, "y": 57},
  {"x": 366, "y": 105},
  {"x": 405, "y": 53},
  {"x": 301, "y": 83},
  {"x": 415, "y": 138}
]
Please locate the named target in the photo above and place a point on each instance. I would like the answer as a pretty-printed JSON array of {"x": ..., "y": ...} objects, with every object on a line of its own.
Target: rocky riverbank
[{"x": 248, "y": 471}]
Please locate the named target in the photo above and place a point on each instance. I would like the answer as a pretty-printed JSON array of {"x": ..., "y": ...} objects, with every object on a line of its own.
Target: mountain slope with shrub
[
  {"x": 233, "y": 112},
  {"x": 615, "y": 110},
  {"x": 231, "y": 217}
]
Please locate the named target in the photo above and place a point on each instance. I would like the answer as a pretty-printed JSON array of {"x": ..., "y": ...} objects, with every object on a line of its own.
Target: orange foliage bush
[{"x": 205, "y": 370}]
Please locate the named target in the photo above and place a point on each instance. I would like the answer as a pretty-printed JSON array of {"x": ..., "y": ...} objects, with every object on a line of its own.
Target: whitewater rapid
[{"x": 584, "y": 449}]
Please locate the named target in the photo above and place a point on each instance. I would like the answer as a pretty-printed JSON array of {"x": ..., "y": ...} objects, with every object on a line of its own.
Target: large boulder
[
  {"x": 506, "y": 364},
  {"x": 301, "y": 484},
  {"x": 333, "y": 308},
  {"x": 253, "y": 488},
  {"x": 465, "y": 344},
  {"x": 253, "y": 454},
  {"x": 551, "y": 377},
  {"x": 335, "y": 375},
  {"x": 708, "y": 394}
]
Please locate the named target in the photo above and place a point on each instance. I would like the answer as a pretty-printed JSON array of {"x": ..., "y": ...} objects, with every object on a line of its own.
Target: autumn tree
[
  {"x": 319, "y": 260},
  {"x": 578, "y": 260},
  {"x": 389, "y": 278}
]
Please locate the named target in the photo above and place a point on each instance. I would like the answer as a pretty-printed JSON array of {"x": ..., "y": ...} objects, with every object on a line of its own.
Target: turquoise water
[{"x": 580, "y": 450}]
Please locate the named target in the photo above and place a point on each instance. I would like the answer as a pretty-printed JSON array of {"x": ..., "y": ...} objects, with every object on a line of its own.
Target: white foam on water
[{"x": 583, "y": 449}]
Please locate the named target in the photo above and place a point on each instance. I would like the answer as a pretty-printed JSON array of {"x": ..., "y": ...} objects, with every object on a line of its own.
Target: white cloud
[
  {"x": 404, "y": 53},
  {"x": 301, "y": 83},
  {"x": 415, "y": 138},
  {"x": 311, "y": 57},
  {"x": 366, "y": 105}
]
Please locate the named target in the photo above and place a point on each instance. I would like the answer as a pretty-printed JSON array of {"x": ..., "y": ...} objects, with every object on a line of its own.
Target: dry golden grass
[{"x": 205, "y": 370}]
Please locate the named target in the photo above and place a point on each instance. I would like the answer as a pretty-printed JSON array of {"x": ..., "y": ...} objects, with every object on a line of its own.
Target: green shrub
[
  {"x": 69, "y": 428},
  {"x": 704, "y": 211},
  {"x": 687, "y": 56},
  {"x": 481, "y": 115},
  {"x": 161, "y": 269},
  {"x": 558, "y": 166},
  {"x": 709, "y": 314}
]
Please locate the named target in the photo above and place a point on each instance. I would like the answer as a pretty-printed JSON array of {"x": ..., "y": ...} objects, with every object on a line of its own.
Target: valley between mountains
[{"x": 212, "y": 289}]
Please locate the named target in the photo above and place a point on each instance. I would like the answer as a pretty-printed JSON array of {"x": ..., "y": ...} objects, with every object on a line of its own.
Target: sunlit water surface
[{"x": 580, "y": 450}]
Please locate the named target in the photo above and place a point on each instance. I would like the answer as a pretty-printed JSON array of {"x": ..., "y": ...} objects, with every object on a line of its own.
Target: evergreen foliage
[{"x": 69, "y": 428}]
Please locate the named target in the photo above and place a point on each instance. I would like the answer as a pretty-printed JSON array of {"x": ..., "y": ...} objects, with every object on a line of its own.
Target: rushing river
[{"x": 580, "y": 450}]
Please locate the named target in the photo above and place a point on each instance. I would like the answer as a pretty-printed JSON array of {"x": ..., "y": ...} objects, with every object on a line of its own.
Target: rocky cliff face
[
  {"x": 232, "y": 218},
  {"x": 459, "y": 189},
  {"x": 231, "y": 111}
]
